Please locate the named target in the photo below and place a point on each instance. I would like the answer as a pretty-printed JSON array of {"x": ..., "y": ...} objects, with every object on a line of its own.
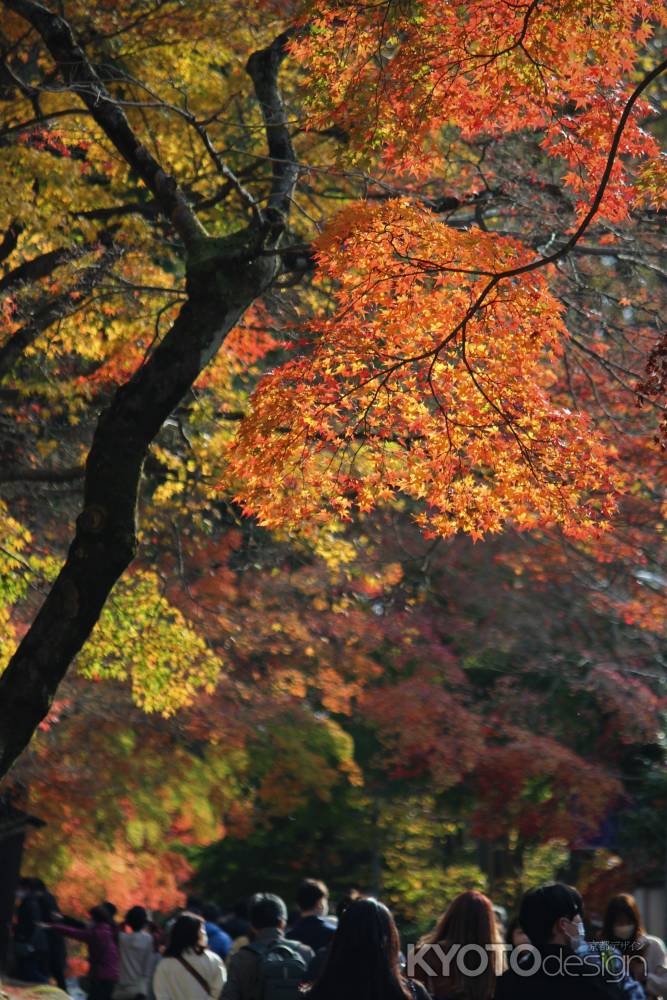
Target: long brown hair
[
  {"x": 469, "y": 919},
  {"x": 623, "y": 906}
]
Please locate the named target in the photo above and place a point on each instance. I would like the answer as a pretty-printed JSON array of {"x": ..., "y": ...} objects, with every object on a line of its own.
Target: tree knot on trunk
[{"x": 92, "y": 519}]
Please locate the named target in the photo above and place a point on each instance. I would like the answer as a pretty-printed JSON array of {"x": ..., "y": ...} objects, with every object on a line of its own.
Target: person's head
[
  {"x": 24, "y": 887},
  {"x": 515, "y": 934},
  {"x": 111, "y": 909},
  {"x": 363, "y": 961},
  {"x": 136, "y": 918},
  {"x": 157, "y": 933},
  {"x": 267, "y": 910},
  {"x": 312, "y": 897},
  {"x": 100, "y": 914},
  {"x": 470, "y": 919},
  {"x": 210, "y": 912},
  {"x": 622, "y": 919},
  {"x": 552, "y": 914},
  {"x": 194, "y": 904},
  {"x": 188, "y": 932},
  {"x": 345, "y": 901}
]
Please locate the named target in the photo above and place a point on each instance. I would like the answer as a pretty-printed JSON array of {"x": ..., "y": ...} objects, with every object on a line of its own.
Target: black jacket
[
  {"x": 314, "y": 931},
  {"x": 562, "y": 976}
]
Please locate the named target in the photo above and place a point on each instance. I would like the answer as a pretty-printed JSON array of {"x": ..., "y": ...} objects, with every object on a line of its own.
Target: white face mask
[
  {"x": 579, "y": 936},
  {"x": 624, "y": 932}
]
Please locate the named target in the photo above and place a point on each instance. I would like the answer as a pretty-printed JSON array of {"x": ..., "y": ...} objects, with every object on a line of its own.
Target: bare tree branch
[
  {"x": 69, "y": 474},
  {"x": 38, "y": 267},
  {"x": 82, "y": 79},
  {"x": 263, "y": 68},
  {"x": 52, "y": 309}
]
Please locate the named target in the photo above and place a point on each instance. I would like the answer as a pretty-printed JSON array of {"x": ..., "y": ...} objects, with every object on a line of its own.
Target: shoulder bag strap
[{"x": 196, "y": 975}]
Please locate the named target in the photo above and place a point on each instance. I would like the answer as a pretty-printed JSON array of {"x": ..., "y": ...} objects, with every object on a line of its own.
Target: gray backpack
[{"x": 282, "y": 969}]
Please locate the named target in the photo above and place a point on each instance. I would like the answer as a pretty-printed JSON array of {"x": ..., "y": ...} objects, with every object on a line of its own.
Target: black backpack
[{"x": 282, "y": 969}]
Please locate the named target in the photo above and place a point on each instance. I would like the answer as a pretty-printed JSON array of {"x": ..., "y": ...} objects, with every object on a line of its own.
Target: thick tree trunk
[
  {"x": 224, "y": 276},
  {"x": 105, "y": 539}
]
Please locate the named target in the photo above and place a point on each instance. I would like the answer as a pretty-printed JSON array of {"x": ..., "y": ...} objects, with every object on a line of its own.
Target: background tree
[
  {"x": 446, "y": 319},
  {"x": 404, "y": 739},
  {"x": 450, "y": 385}
]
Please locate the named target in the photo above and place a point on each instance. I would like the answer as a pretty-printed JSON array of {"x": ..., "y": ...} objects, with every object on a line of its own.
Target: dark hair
[
  {"x": 267, "y": 910},
  {"x": 513, "y": 925},
  {"x": 184, "y": 934},
  {"x": 210, "y": 912},
  {"x": 624, "y": 906},
  {"x": 363, "y": 961},
  {"x": 310, "y": 892},
  {"x": 111, "y": 907},
  {"x": 136, "y": 918},
  {"x": 469, "y": 919},
  {"x": 194, "y": 904},
  {"x": 542, "y": 907},
  {"x": 100, "y": 915},
  {"x": 345, "y": 901}
]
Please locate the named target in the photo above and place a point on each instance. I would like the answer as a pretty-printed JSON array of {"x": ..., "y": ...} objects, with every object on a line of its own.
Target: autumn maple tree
[
  {"x": 386, "y": 733},
  {"x": 443, "y": 344}
]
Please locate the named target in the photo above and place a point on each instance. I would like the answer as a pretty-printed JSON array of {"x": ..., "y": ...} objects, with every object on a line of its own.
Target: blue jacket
[{"x": 218, "y": 940}]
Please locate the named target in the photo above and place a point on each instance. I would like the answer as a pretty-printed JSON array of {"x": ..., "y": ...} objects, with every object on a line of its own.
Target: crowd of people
[{"x": 260, "y": 952}]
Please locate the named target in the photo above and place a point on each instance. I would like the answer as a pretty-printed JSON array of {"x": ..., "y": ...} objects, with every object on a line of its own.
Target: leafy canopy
[{"x": 432, "y": 377}]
